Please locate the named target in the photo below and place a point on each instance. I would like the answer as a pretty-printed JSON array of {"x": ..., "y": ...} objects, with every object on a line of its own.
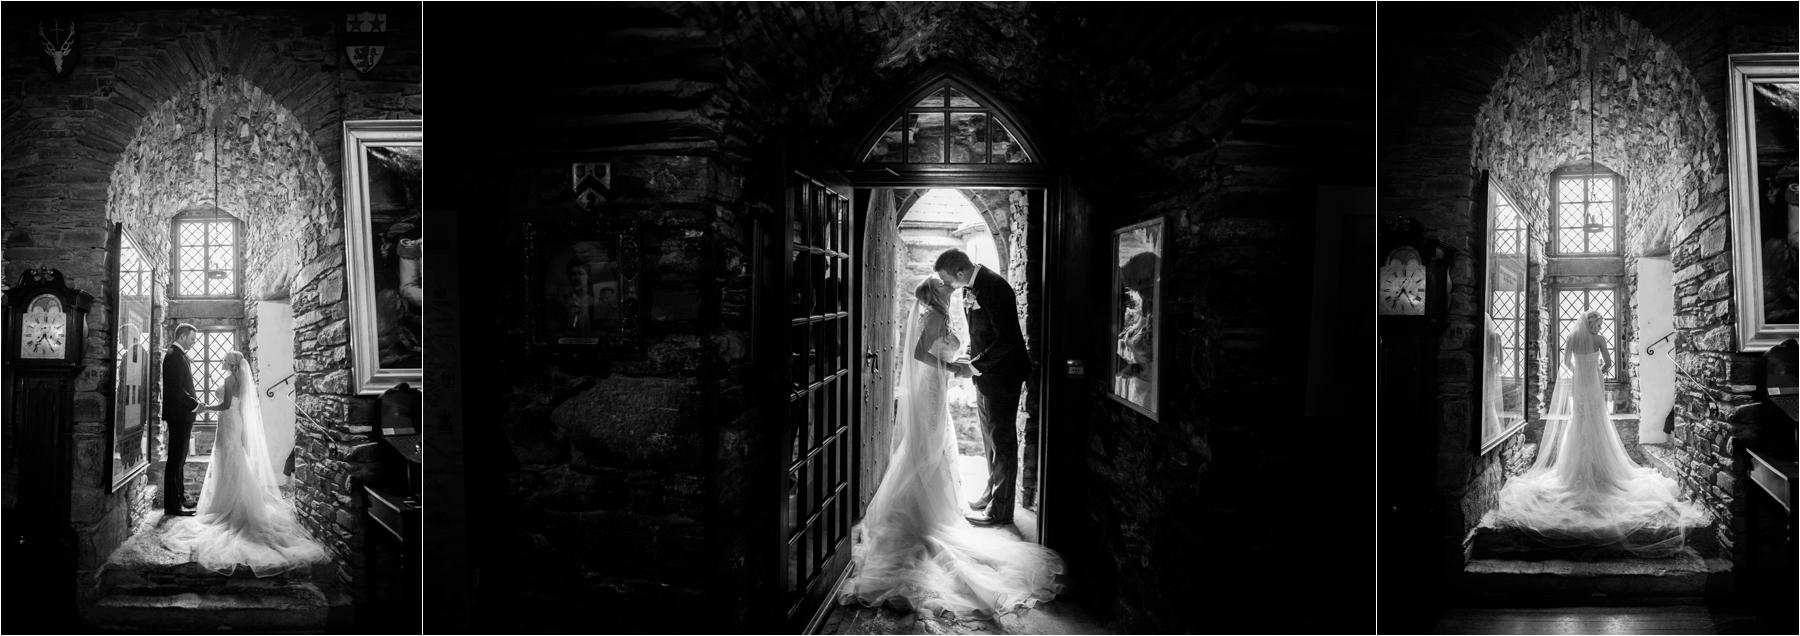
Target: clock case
[
  {"x": 1434, "y": 255},
  {"x": 76, "y": 304}
]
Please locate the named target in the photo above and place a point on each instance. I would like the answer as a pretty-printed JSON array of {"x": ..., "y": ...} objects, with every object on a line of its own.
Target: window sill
[{"x": 206, "y": 308}]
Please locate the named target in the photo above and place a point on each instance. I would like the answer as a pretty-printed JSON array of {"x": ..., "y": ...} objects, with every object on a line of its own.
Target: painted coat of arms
[{"x": 365, "y": 37}]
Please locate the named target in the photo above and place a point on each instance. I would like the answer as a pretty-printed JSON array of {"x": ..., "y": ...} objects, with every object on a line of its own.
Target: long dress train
[
  {"x": 242, "y": 518},
  {"x": 1584, "y": 490},
  {"x": 913, "y": 548}
]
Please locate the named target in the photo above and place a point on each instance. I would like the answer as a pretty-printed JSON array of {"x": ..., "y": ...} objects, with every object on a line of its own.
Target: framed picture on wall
[
  {"x": 584, "y": 291},
  {"x": 133, "y": 355},
  {"x": 384, "y": 239},
  {"x": 1136, "y": 310},
  {"x": 1764, "y": 197}
]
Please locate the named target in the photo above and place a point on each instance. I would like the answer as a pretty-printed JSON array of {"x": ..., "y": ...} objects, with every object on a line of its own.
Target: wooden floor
[{"x": 1676, "y": 619}]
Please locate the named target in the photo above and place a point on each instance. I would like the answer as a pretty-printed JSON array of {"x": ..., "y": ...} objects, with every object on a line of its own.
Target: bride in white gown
[
  {"x": 913, "y": 548},
  {"x": 242, "y": 519},
  {"x": 1584, "y": 490}
]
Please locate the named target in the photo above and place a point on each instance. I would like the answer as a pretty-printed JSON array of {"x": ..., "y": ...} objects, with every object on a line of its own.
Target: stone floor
[{"x": 150, "y": 585}]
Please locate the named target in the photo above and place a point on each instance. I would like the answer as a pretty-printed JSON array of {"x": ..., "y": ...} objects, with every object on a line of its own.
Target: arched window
[
  {"x": 207, "y": 254},
  {"x": 1586, "y": 214},
  {"x": 947, "y": 125}
]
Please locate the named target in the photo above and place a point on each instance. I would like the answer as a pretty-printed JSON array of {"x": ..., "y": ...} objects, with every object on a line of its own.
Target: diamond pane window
[
  {"x": 208, "y": 358},
  {"x": 1572, "y": 304},
  {"x": 947, "y": 126},
  {"x": 206, "y": 257},
  {"x": 134, "y": 272},
  {"x": 1509, "y": 321},
  {"x": 1509, "y": 229},
  {"x": 1586, "y": 214}
]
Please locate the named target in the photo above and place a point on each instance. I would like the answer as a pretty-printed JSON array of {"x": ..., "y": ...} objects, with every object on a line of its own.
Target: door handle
[{"x": 874, "y": 361}]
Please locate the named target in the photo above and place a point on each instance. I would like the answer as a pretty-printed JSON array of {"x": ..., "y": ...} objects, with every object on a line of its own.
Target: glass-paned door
[{"x": 819, "y": 503}]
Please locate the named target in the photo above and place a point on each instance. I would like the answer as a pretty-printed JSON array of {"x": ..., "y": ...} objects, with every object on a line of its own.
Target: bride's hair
[{"x": 928, "y": 296}]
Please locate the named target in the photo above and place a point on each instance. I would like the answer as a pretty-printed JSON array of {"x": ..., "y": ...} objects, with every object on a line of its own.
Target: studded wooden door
[
  {"x": 819, "y": 482},
  {"x": 881, "y": 254}
]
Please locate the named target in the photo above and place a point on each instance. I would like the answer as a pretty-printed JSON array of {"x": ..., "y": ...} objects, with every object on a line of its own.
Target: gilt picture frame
[
  {"x": 1137, "y": 255},
  {"x": 1764, "y": 89},
  {"x": 384, "y": 243},
  {"x": 585, "y": 292}
]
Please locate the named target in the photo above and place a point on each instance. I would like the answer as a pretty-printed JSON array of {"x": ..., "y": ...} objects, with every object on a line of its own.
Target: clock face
[
  {"x": 43, "y": 333},
  {"x": 1401, "y": 289}
]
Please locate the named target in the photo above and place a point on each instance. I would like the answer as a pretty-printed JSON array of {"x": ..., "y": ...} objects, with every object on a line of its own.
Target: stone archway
[
  {"x": 196, "y": 124},
  {"x": 1652, "y": 125}
]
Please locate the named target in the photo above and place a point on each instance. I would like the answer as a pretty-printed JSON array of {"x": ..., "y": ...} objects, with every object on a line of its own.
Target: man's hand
[{"x": 962, "y": 369}]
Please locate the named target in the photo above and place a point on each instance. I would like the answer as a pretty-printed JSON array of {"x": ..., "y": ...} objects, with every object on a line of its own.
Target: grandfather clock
[
  {"x": 1411, "y": 295},
  {"x": 46, "y": 330}
]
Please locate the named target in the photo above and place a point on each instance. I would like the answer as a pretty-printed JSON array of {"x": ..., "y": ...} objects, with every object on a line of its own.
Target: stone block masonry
[{"x": 130, "y": 137}]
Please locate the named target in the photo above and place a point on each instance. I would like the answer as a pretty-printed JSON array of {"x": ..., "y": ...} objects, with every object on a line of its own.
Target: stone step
[
  {"x": 1488, "y": 542},
  {"x": 146, "y": 577},
  {"x": 298, "y": 608},
  {"x": 1684, "y": 577}
]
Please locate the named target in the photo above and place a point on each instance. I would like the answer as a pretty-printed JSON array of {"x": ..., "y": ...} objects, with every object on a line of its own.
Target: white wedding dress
[
  {"x": 242, "y": 518},
  {"x": 913, "y": 549},
  {"x": 1584, "y": 490}
]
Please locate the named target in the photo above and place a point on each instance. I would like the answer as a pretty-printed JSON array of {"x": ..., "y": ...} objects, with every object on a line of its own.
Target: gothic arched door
[{"x": 841, "y": 280}]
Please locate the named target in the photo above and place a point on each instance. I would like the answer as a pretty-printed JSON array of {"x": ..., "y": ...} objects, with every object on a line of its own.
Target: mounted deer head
[{"x": 58, "y": 41}]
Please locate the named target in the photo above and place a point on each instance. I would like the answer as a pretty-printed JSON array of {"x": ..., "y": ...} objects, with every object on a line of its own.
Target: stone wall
[
  {"x": 1507, "y": 92},
  {"x": 644, "y": 487},
  {"x": 127, "y": 137}
]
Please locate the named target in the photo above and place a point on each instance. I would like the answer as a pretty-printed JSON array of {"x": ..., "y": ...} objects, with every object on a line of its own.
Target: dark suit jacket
[
  {"x": 178, "y": 387},
  {"x": 997, "y": 348}
]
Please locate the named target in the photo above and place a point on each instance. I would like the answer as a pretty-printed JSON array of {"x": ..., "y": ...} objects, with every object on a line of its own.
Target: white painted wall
[
  {"x": 1656, "y": 373},
  {"x": 274, "y": 361}
]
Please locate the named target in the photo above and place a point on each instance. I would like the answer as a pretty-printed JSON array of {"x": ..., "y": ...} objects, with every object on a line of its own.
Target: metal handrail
[
  {"x": 1650, "y": 352},
  {"x": 271, "y": 390},
  {"x": 1712, "y": 393}
]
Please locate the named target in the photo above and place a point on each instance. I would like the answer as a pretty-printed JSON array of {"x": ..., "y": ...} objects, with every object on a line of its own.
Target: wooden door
[
  {"x": 881, "y": 251},
  {"x": 819, "y": 496}
]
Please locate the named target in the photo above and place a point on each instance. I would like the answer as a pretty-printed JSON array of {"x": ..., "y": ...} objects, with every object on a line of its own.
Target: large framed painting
[
  {"x": 1503, "y": 366},
  {"x": 134, "y": 283},
  {"x": 1765, "y": 89},
  {"x": 1137, "y": 254},
  {"x": 584, "y": 291},
  {"x": 384, "y": 239}
]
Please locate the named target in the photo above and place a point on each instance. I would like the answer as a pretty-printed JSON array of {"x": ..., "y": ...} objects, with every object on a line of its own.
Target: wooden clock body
[{"x": 45, "y": 338}]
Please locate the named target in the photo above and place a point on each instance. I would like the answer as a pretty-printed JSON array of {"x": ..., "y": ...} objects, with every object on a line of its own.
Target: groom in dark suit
[
  {"x": 999, "y": 366},
  {"x": 178, "y": 407}
]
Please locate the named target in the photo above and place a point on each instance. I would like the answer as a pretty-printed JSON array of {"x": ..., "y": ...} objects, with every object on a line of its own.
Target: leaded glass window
[
  {"x": 948, "y": 127},
  {"x": 134, "y": 272},
  {"x": 1586, "y": 214},
  {"x": 1509, "y": 228},
  {"x": 1509, "y": 321},
  {"x": 1572, "y": 304},
  {"x": 206, "y": 257},
  {"x": 208, "y": 360}
]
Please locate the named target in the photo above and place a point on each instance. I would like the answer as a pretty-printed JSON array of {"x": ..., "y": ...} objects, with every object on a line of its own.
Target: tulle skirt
[
  {"x": 1585, "y": 490},
  {"x": 913, "y": 548},
  {"x": 242, "y": 519}
]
